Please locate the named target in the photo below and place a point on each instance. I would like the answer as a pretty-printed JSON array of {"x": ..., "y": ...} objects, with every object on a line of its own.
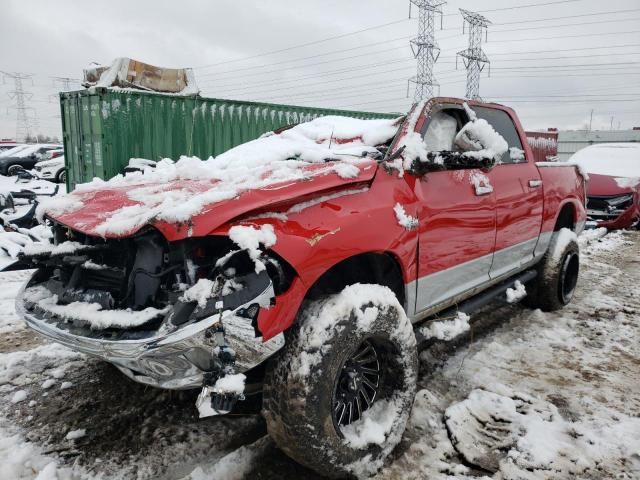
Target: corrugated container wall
[{"x": 104, "y": 128}]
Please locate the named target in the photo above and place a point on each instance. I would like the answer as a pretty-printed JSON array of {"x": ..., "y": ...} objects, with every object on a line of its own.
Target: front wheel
[
  {"x": 558, "y": 271},
  {"x": 62, "y": 176},
  {"x": 13, "y": 170},
  {"x": 338, "y": 397}
]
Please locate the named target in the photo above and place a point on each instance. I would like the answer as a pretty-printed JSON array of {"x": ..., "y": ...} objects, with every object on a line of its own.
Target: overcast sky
[{"x": 553, "y": 63}]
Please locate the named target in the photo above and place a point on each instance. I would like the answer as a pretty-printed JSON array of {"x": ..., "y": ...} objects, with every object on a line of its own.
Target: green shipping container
[{"x": 103, "y": 128}]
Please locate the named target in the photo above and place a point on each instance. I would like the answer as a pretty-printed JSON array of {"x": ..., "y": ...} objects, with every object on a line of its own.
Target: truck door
[
  {"x": 457, "y": 224},
  {"x": 517, "y": 187}
]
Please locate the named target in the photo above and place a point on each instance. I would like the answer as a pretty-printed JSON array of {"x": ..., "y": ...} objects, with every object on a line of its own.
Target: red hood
[
  {"x": 100, "y": 204},
  {"x": 605, "y": 185}
]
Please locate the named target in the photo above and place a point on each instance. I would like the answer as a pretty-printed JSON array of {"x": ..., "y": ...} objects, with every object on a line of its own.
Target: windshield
[{"x": 616, "y": 160}]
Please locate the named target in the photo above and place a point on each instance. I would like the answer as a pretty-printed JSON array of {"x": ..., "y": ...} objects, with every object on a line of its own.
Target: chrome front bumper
[{"x": 173, "y": 360}]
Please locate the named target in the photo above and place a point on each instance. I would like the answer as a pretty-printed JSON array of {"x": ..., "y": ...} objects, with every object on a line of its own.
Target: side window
[{"x": 503, "y": 124}]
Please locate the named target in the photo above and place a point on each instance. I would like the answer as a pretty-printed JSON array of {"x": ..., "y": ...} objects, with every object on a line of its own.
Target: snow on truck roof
[
  {"x": 270, "y": 159},
  {"x": 614, "y": 159}
]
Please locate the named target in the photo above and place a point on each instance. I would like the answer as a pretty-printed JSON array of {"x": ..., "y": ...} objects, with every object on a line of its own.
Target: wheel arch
[
  {"x": 382, "y": 268},
  {"x": 567, "y": 217}
]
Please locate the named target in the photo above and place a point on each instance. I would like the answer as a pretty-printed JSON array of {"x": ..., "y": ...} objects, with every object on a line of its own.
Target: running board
[{"x": 474, "y": 303}]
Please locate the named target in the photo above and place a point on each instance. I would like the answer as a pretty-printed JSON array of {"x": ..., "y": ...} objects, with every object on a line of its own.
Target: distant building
[{"x": 570, "y": 141}]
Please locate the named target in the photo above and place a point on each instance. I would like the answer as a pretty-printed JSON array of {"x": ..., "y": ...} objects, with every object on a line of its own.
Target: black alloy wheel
[{"x": 358, "y": 385}]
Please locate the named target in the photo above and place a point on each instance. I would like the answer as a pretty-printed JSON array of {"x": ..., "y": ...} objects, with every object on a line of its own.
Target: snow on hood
[
  {"x": 175, "y": 192},
  {"x": 614, "y": 159}
]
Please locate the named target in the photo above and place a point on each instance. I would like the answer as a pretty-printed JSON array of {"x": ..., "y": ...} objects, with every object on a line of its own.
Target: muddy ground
[{"x": 138, "y": 432}]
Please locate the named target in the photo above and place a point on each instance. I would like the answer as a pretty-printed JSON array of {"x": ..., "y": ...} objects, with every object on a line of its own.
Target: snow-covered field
[{"x": 519, "y": 395}]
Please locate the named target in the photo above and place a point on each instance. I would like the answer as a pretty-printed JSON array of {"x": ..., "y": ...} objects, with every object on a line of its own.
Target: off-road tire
[
  {"x": 554, "y": 286},
  {"x": 301, "y": 380}
]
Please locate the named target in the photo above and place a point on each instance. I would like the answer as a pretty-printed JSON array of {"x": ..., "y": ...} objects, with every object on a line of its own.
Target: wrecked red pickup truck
[{"x": 307, "y": 265}]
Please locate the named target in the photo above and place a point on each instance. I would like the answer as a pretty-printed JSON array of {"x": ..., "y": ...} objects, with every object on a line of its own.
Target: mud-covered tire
[
  {"x": 303, "y": 383},
  {"x": 555, "y": 284}
]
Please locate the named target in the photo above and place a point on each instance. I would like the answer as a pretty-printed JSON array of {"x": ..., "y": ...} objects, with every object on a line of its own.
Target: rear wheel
[
  {"x": 338, "y": 396},
  {"x": 558, "y": 272},
  {"x": 61, "y": 177}
]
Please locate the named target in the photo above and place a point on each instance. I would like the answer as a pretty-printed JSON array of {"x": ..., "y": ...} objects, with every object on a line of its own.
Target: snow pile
[
  {"x": 176, "y": 191},
  {"x": 561, "y": 239},
  {"x": 480, "y": 136},
  {"x": 447, "y": 329},
  {"x": 19, "y": 396},
  {"x": 627, "y": 182},
  {"x": 406, "y": 221},
  {"x": 42, "y": 248},
  {"x": 91, "y": 313},
  {"x": 22, "y": 460},
  {"x": 516, "y": 433},
  {"x": 517, "y": 293},
  {"x": 22, "y": 364},
  {"x": 203, "y": 290},
  {"x": 233, "y": 384},
  {"x": 614, "y": 159},
  {"x": 76, "y": 434},
  {"x": 346, "y": 170},
  {"x": 235, "y": 465},
  {"x": 516, "y": 154},
  {"x": 481, "y": 182},
  {"x": 374, "y": 426},
  {"x": 250, "y": 239},
  {"x": 363, "y": 301}
]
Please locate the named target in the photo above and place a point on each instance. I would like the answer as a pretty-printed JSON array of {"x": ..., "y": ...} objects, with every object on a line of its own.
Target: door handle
[
  {"x": 535, "y": 183},
  {"x": 483, "y": 190}
]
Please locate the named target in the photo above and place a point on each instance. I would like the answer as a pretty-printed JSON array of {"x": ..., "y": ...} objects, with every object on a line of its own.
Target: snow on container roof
[{"x": 614, "y": 159}]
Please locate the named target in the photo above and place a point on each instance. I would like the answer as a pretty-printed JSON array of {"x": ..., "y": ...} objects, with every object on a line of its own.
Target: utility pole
[
  {"x": 591, "y": 119},
  {"x": 425, "y": 48},
  {"x": 473, "y": 57},
  {"x": 23, "y": 125}
]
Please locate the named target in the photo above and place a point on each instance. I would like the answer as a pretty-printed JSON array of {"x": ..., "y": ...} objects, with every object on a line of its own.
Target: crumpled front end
[
  {"x": 131, "y": 302},
  {"x": 614, "y": 211}
]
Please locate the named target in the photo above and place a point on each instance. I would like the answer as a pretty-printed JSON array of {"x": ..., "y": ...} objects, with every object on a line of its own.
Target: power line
[{"x": 374, "y": 27}]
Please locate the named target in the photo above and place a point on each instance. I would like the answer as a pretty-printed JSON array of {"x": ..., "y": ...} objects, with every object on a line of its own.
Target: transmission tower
[
  {"x": 65, "y": 82},
  {"x": 23, "y": 124},
  {"x": 473, "y": 57},
  {"x": 425, "y": 48}
]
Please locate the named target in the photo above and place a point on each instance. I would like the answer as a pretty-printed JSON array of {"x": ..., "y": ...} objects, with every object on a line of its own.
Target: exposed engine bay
[{"x": 130, "y": 301}]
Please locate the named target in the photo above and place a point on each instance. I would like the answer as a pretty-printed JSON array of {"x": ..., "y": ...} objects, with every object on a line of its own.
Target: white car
[{"x": 52, "y": 170}]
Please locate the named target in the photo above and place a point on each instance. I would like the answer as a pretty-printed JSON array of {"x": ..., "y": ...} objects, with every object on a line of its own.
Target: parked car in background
[
  {"x": 4, "y": 145},
  {"x": 52, "y": 169},
  {"x": 51, "y": 154},
  {"x": 613, "y": 194},
  {"x": 13, "y": 150},
  {"x": 26, "y": 158}
]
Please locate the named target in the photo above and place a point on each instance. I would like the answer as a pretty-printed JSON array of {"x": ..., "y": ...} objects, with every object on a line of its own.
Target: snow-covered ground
[{"x": 520, "y": 394}]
